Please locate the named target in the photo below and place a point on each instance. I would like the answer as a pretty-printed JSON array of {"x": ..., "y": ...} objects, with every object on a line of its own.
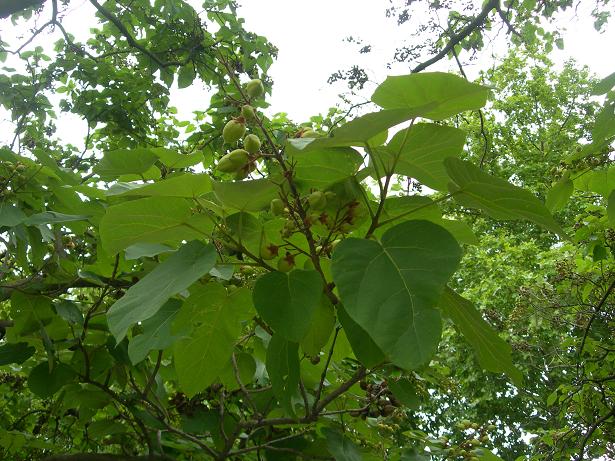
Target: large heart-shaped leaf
[
  {"x": 125, "y": 161},
  {"x": 390, "y": 288},
  {"x": 499, "y": 198},
  {"x": 145, "y": 298},
  {"x": 287, "y": 301},
  {"x": 211, "y": 322},
  {"x": 448, "y": 93}
]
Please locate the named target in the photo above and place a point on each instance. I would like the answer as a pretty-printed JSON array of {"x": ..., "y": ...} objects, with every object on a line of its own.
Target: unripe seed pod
[
  {"x": 276, "y": 207},
  {"x": 255, "y": 88},
  {"x": 286, "y": 263},
  {"x": 233, "y": 131},
  {"x": 251, "y": 143},
  {"x": 309, "y": 134},
  {"x": 269, "y": 251},
  {"x": 233, "y": 161},
  {"x": 317, "y": 200},
  {"x": 247, "y": 112}
]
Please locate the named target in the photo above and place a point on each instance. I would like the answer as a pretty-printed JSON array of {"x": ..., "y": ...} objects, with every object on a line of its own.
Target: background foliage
[{"x": 430, "y": 280}]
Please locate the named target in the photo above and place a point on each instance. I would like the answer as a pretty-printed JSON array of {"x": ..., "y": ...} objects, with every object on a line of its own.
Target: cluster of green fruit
[
  {"x": 469, "y": 449},
  {"x": 241, "y": 162}
]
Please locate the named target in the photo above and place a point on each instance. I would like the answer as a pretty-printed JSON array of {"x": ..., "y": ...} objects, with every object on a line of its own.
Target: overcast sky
[{"x": 310, "y": 37}]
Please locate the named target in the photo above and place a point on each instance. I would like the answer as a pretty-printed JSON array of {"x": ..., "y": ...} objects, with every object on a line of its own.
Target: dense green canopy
[{"x": 430, "y": 279}]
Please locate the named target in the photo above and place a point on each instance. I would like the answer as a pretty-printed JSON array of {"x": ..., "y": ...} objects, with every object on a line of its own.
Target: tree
[{"x": 232, "y": 287}]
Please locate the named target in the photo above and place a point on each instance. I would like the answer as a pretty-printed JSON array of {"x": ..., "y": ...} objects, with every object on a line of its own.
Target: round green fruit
[
  {"x": 269, "y": 251},
  {"x": 233, "y": 131},
  {"x": 251, "y": 143},
  {"x": 255, "y": 88},
  {"x": 286, "y": 263},
  {"x": 310, "y": 134},
  {"x": 276, "y": 207},
  {"x": 233, "y": 161},
  {"x": 317, "y": 200},
  {"x": 247, "y": 112}
]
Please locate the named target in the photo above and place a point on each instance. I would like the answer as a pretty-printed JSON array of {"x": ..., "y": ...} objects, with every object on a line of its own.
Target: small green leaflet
[
  {"x": 500, "y": 199},
  {"x": 494, "y": 354},
  {"x": 283, "y": 368},
  {"x": 390, "y": 288},
  {"x": 448, "y": 93},
  {"x": 210, "y": 323},
  {"x": 146, "y": 297},
  {"x": 156, "y": 332},
  {"x": 287, "y": 301}
]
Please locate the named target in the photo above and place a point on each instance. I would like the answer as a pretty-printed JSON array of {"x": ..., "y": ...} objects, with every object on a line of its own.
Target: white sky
[{"x": 310, "y": 37}]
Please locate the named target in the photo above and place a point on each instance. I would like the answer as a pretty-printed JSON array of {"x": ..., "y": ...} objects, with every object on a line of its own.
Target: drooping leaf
[
  {"x": 15, "y": 353},
  {"x": 390, "y": 288},
  {"x": 146, "y": 297},
  {"x": 361, "y": 130},
  {"x": 341, "y": 447},
  {"x": 558, "y": 195},
  {"x": 156, "y": 332},
  {"x": 45, "y": 383},
  {"x": 283, "y": 369},
  {"x": 287, "y": 301},
  {"x": 210, "y": 321},
  {"x": 363, "y": 346},
  {"x": 493, "y": 353},
  {"x": 119, "y": 162},
  {"x": 148, "y": 220},
  {"x": 320, "y": 329},
  {"x": 604, "y": 85},
  {"x": 498, "y": 198},
  {"x": 184, "y": 185},
  {"x": 317, "y": 169},
  {"x": 420, "y": 151},
  {"x": 405, "y": 391},
  {"x": 50, "y": 217},
  {"x": 448, "y": 93},
  {"x": 255, "y": 195}
]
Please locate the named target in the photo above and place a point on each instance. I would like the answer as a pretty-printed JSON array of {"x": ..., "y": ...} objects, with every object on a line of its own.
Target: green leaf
[
  {"x": 287, "y": 301},
  {"x": 145, "y": 250},
  {"x": 611, "y": 208},
  {"x": 341, "y": 447},
  {"x": 601, "y": 181},
  {"x": 604, "y": 85},
  {"x": 320, "y": 329},
  {"x": 69, "y": 311},
  {"x": 558, "y": 195},
  {"x": 156, "y": 332},
  {"x": 421, "y": 151},
  {"x": 15, "y": 353},
  {"x": 318, "y": 169},
  {"x": 390, "y": 288},
  {"x": 50, "y": 217},
  {"x": 148, "y": 220},
  {"x": 605, "y": 122},
  {"x": 500, "y": 199},
  {"x": 246, "y": 366},
  {"x": 405, "y": 391},
  {"x": 253, "y": 195},
  {"x": 118, "y": 162},
  {"x": 359, "y": 131},
  {"x": 211, "y": 323},
  {"x": 283, "y": 368},
  {"x": 494, "y": 354},
  {"x": 45, "y": 383},
  {"x": 363, "y": 346},
  {"x": 10, "y": 215},
  {"x": 145, "y": 298},
  {"x": 185, "y": 185},
  {"x": 186, "y": 76},
  {"x": 448, "y": 93}
]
